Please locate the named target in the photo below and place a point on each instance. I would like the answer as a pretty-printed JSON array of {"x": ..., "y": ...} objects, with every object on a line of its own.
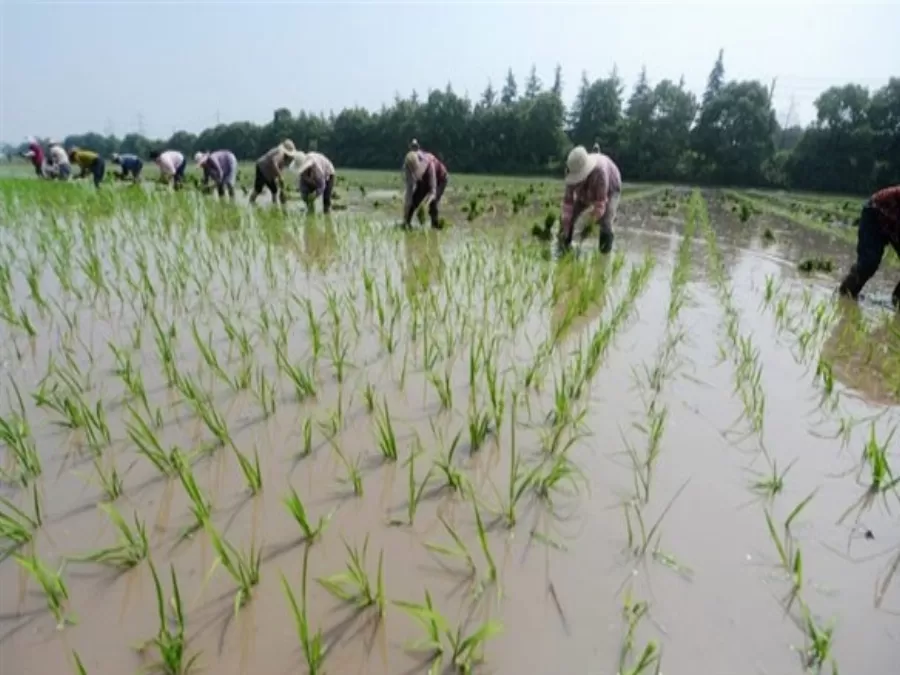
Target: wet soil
[{"x": 406, "y": 310}]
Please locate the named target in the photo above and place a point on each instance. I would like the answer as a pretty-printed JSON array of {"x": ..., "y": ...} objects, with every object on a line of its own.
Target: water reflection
[{"x": 864, "y": 355}]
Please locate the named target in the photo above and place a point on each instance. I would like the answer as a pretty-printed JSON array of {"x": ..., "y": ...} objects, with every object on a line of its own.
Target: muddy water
[{"x": 564, "y": 570}]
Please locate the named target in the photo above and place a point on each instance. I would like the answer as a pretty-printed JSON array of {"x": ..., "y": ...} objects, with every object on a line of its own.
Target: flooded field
[{"x": 244, "y": 441}]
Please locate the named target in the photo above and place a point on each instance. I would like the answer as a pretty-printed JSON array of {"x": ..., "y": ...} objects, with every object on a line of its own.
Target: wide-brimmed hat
[
  {"x": 580, "y": 163},
  {"x": 416, "y": 165},
  {"x": 200, "y": 157},
  {"x": 302, "y": 162},
  {"x": 288, "y": 148}
]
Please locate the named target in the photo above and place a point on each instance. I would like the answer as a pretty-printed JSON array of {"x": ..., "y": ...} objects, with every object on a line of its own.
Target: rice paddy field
[{"x": 241, "y": 440}]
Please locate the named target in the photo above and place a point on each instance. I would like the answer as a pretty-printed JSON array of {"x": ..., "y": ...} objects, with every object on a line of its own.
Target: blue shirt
[{"x": 130, "y": 162}]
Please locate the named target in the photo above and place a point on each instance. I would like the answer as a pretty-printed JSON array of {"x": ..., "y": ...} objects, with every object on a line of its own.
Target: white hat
[
  {"x": 288, "y": 148},
  {"x": 413, "y": 162},
  {"x": 580, "y": 164},
  {"x": 201, "y": 157},
  {"x": 302, "y": 162},
  {"x": 116, "y": 156},
  {"x": 31, "y": 140}
]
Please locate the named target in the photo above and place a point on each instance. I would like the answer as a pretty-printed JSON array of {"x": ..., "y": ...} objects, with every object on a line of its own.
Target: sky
[{"x": 163, "y": 65}]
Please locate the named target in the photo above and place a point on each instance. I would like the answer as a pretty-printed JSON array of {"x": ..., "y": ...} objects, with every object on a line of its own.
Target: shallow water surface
[{"x": 626, "y": 404}]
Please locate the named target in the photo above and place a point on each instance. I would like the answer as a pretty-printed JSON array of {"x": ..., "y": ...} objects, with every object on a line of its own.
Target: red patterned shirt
[{"x": 887, "y": 203}]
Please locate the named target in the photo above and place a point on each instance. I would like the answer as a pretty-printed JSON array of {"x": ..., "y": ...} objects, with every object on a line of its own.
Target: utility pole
[
  {"x": 218, "y": 118},
  {"x": 140, "y": 123}
]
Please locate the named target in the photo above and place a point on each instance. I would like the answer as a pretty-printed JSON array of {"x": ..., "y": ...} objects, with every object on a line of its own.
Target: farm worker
[
  {"x": 426, "y": 178},
  {"x": 59, "y": 161},
  {"x": 269, "y": 168},
  {"x": 879, "y": 225},
  {"x": 221, "y": 167},
  {"x": 172, "y": 165},
  {"x": 316, "y": 179},
  {"x": 593, "y": 182},
  {"x": 414, "y": 144},
  {"x": 131, "y": 166},
  {"x": 36, "y": 154},
  {"x": 596, "y": 148},
  {"x": 88, "y": 161}
]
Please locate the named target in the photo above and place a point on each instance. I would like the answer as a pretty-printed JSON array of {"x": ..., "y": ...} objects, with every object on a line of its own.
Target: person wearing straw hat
[
  {"x": 89, "y": 162},
  {"x": 36, "y": 154},
  {"x": 172, "y": 165},
  {"x": 131, "y": 166},
  {"x": 426, "y": 178},
  {"x": 269, "y": 169},
  {"x": 593, "y": 182},
  {"x": 879, "y": 226},
  {"x": 221, "y": 167},
  {"x": 60, "y": 167},
  {"x": 316, "y": 179}
]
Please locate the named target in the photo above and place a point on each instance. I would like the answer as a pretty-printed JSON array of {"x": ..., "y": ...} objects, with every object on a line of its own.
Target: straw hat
[
  {"x": 200, "y": 157},
  {"x": 302, "y": 162},
  {"x": 288, "y": 148},
  {"x": 579, "y": 164},
  {"x": 415, "y": 164}
]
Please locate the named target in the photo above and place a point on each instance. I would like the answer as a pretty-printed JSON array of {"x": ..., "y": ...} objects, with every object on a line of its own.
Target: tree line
[{"x": 661, "y": 132}]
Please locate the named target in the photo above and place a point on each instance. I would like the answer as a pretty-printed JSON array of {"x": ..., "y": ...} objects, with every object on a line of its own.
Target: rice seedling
[
  {"x": 110, "y": 481},
  {"x": 251, "y": 470},
  {"x": 771, "y": 484},
  {"x": 149, "y": 446},
  {"x": 561, "y": 475},
  {"x": 17, "y": 527},
  {"x": 414, "y": 490},
  {"x": 243, "y": 567},
  {"x": 304, "y": 381},
  {"x": 479, "y": 425},
  {"x": 819, "y": 639},
  {"x": 354, "y": 475},
  {"x": 443, "y": 388},
  {"x": 133, "y": 545},
  {"x": 170, "y": 641},
  {"x": 466, "y": 650},
  {"x": 296, "y": 508},
  {"x": 354, "y": 586},
  {"x": 15, "y": 434},
  {"x": 200, "y": 505},
  {"x": 313, "y": 644},
  {"x": 875, "y": 457},
  {"x": 54, "y": 586},
  {"x": 79, "y": 666},
  {"x": 384, "y": 430},
  {"x": 454, "y": 478},
  {"x": 264, "y": 391},
  {"x": 369, "y": 398}
]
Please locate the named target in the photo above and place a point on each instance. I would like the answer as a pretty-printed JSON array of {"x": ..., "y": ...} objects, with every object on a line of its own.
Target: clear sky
[{"x": 110, "y": 66}]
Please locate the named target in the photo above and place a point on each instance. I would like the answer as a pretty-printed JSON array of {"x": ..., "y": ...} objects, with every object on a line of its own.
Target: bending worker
[{"x": 879, "y": 225}]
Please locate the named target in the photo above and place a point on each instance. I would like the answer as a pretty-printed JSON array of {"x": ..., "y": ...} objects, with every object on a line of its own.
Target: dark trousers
[
  {"x": 98, "y": 170},
  {"x": 179, "y": 173},
  {"x": 308, "y": 193},
  {"x": 870, "y": 245},
  {"x": 418, "y": 196}
]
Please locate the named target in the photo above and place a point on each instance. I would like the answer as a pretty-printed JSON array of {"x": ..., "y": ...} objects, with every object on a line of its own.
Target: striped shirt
[{"x": 601, "y": 183}]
